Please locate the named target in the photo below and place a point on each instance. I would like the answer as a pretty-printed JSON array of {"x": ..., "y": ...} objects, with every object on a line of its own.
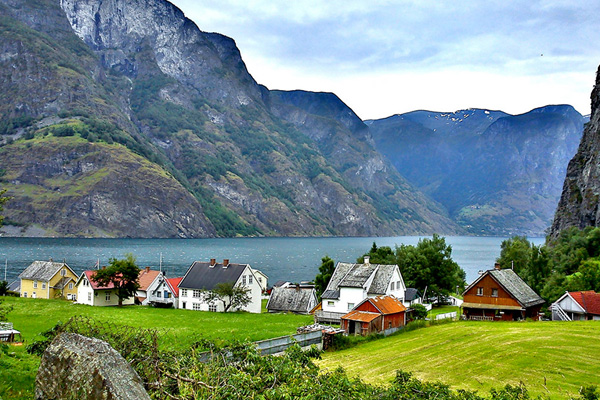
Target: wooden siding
[{"x": 488, "y": 283}]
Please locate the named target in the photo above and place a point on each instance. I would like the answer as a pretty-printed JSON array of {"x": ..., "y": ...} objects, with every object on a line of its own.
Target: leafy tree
[
  {"x": 123, "y": 274},
  {"x": 3, "y": 199},
  {"x": 515, "y": 253},
  {"x": 3, "y": 288},
  {"x": 379, "y": 255},
  {"x": 538, "y": 269},
  {"x": 322, "y": 279},
  {"x": 233, "y": 297},
  {"x": 419, "y": 311},
  {"x": 587, "y": 277},
  {"x": 430, "y": 264}
]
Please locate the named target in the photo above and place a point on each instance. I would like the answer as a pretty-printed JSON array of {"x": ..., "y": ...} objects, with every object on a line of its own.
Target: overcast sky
[{"x": 392, "y": 56}]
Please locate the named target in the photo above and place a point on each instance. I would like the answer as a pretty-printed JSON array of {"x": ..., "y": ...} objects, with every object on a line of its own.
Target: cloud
[{"x": 354, "y": 44}]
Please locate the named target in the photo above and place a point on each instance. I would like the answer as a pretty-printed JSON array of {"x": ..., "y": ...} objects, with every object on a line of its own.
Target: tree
[
  {"x": 232, "y": 296},
  {"x": 3, "y": 288},
  {"x": 430, "y": 264},
  {"x": 123, "y": 274},
  {"x": 379, "y": 255},
  {"x": 515, "y": 254},
  {"x": 322, "y": 279},
  {"x": 419, "y": 311},
  {"x": 587, "y": 277},
  {"x": 3, "y": 199}
]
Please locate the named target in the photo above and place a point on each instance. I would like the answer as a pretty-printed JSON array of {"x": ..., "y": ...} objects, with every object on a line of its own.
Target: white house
[
  {"x": 577, "y": 306},
  {"x": 88, "y": 292},
  {"x": 263, "y": 280},
  {"x": 350, "y": 284},
  {"x": 205, "y": 276},
  {"x": 148, "y": 280},
  {"x": 161, "y": 293}
]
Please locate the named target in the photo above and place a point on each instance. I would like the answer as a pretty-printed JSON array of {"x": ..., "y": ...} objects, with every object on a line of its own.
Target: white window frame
[
  {"x": 63, "y": 272},
  {"x": 212, "y": 307},
  {"x": 197, "y": 293},
  {"x": 183, "y": 293},
  {"x": 250, "y": 279},
  {"x": 89, "y": 296},
  {"x": 196, "y": 306},
  {"x": 70, "y": 285},
  {"x": 107, "y": 296},
  {"x": 494, "y": 292},
  {"x": 392, "y": 286},
  {"x": 24, "y": 294},
  {"x": 244, "y": 280},
  {"x": 43, "y": 285},
  {"x": 350, "y": 306},
  {"x": 479, "y": 290},
  {"x": 35, "y": 284}
]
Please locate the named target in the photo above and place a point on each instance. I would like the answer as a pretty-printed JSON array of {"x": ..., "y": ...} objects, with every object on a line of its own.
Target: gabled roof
[
  {"x": 14, "y": 286},
  {"x": 93, "y": 283},
  {"x": 291, "y": 299},
  {"x": 173, "y": 282},
  {"x": 357, "y": 276},
  {"x": 43, "y": 270},
  {"x": 386, "y": 304},
  {"x": 62, "y": 283},
  {"x": 411, "y": 293},
  {"x": 362, "y": 316},
  {"x": 146, "y": 277},
  {"x": 201, "y": 275},
  {"x": 514, "y": 285},
  {"x": 588, "y": 300}
]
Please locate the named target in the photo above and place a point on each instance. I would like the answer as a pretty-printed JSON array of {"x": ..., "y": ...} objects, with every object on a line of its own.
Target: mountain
[
  {"x": 122, "y": 118},
  {"x": 579, "y": 204},
  {"x": 495, "y": 173}
]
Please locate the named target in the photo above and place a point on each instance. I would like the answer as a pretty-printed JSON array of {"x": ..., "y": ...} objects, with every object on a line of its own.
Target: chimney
[
  {"x": 497, "y": 266},
  {"x": 225, "y": 263},
  {"x": 213, "y": 261},
  {"x": 367, "y": 258},
  {"x": 147, "y": 269}
]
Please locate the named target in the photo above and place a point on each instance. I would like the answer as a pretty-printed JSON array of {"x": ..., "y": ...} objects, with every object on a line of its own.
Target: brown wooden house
[
  {"x": 500, "y": 295},
  {"x": 375, "y": 314}
]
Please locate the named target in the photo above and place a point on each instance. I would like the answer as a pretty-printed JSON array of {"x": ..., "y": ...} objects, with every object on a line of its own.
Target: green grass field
[
  {"x": 550, "y": 358},
  {"x": 178, "y": 328}
]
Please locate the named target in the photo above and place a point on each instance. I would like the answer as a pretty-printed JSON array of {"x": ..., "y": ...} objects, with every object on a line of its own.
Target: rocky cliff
[
  {"x": 496, "y": 173},
  {"x": 141, "y": 81},
  {"x": 579, "y": 202}
]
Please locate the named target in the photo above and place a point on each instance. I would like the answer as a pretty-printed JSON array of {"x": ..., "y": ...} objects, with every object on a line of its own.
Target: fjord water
[{"x": 291, "y": 259}]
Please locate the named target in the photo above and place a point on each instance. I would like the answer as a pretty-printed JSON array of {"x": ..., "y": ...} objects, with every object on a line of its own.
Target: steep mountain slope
[
  {"x": 140, "y": 74},
  {"x": 495, "y": 173},
  {"x": 579, "y": 201}
]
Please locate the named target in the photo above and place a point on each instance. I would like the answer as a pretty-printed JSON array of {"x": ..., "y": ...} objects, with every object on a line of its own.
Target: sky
[{"x": 387, "y": 57}]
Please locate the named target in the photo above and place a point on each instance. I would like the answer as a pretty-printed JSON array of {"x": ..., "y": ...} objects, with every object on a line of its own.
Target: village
[{"x": 360, "y": 298}]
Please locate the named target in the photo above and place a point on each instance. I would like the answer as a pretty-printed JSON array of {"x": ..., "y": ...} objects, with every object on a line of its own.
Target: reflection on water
[{"x": 293, "y": 259}]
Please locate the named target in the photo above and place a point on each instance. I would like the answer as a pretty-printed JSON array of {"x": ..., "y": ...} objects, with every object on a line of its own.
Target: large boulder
[{"x": 78, "y": 367}]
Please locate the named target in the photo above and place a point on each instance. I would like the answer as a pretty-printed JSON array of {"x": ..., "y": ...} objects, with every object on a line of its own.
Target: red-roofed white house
[
  {"x": 88, "y": 292},
  {"x": 577, "y": 306}
]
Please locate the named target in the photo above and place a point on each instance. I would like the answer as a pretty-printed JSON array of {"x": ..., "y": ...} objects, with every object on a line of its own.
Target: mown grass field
[
  {"x": 178, "y": 328},
  {"x": 550, "y": 358}
]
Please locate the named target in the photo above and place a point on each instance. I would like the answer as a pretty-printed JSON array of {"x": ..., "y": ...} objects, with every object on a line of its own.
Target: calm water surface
[{"x": 292, "y": 259}]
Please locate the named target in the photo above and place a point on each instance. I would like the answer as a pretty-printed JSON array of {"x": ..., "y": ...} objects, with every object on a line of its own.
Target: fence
[
  {"x": 277, "y": 345},
  {"x": 446, "y": 315}
]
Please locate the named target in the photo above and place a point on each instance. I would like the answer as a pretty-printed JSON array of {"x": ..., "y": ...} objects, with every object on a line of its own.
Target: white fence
[{"x": 446, "y": 315}]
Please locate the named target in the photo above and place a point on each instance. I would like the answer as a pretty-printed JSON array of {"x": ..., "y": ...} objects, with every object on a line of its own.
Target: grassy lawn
[
  {"x": 442, "y": 310},
  {"x": 179, "y": 328},
  {"x": 551, "y": 358}
]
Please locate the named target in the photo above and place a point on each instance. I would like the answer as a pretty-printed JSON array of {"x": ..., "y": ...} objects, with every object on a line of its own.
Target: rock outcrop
[
  {"x": 580, "y": 199},
  {"x": 78, "y": 367}
]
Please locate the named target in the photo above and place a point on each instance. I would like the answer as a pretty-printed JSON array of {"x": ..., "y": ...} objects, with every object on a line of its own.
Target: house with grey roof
[
  {"x": 295, "y": 299},
  {"x": 350, "y": 284},
  {"x": 202, "y": 277},
  {"x": 48, "y": 280},
  {"x": 500, "y": 295}
]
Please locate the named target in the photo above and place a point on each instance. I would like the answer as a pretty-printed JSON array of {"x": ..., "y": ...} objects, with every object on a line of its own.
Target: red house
[
  {"x": 500, "y": 295},
  {"x": 374, "y": 314}
]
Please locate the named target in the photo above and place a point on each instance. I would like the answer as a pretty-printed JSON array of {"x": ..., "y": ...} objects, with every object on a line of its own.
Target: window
[
  {"x": 249, "y": 279},
  {"x": 63, "y": 272},
  {"x": 244, "y": 280},
  {"x": 479, "y": 291},
  {"x": 330, "y": 303},
  {"x": 90, "y": 296},
  {"x": 24, "y": 294},
  {"x": 392, "y": 286},
  {"x": 159, "y": 294},
  {"x": 196, "y": 294},
  {"x": 184, "y": 294},
  {"x": 196, "y": 306},
  {"x": 398, "y": 285},
  {"x": 494, "y": 292},
  {"x": 350, "y": 306},
  {"x": 167, "y": 295},
  {"x": 43, "y": 285},
  {"x": 259, "y": 279},
  {"x": 212, "y": 307},
  {"x": 107, "y": 297},
  {"x": 71, "y": 285},
  {"x": 35, "y": 284}
]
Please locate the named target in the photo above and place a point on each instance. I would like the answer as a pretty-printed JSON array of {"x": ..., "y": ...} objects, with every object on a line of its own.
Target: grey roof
[
  {"x": 514, "y": 285},
  {"x": 298, "y": 300},
  {"x": 15, "y": 286},
  {"x": 411, "y": 293},
  {"x": 62, "y": 283},
  {"x": 357, "y": 275},
  {"x": 201, "y": 275},
  {"x": 42, "y": 270}
]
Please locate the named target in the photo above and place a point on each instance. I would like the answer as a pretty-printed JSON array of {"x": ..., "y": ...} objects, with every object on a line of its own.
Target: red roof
[
  {"x": 173, "y": 282},
  {"x": 94, "y": 284},
  {"x": 387, "y": 304},
  {"x": 146, "y": 277},
  {"x": 588, "y": 300},
  {"x": 362, "y": 316}
]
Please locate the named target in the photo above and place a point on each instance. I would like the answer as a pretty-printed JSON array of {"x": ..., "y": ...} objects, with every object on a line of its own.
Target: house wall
[
  {"x": 349, "y": 298},
  {"x": 160, "y": 292},
  {"x": 27, "y": 289},
  {"x": 399, "y": 287},
  {"x": 99, "y": 298},
  {"x": 570, "y": 305},
  {"x": 488, "y": 283},
  {"x": 85, "y": 293},
  {"x": 387, "y": 321},
  {"x": 54, "y": 293}
]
